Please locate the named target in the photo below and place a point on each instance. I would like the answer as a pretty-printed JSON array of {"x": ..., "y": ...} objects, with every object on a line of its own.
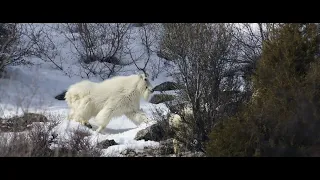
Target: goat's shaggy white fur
[{"x": 108, "y": 99}]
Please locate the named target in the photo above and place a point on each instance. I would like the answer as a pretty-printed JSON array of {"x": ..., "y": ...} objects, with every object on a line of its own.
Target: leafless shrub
[
  {"x": 204, "y": 54},
  {"x": 21, "y": 41},
  {"x": 141, "y": 61},
  {"x": 13, "y": 48},
  {"x": 41, "y": 138},
  {"x": 249, "y": 37},
  {"x": 16, "y": 145},
  {"x": 78, "y": 145},
  {"x": 98, "y": 46},
  {"x": 150, "y": 37},
  {"x": 43, "y": 141},
  {"x": 41, "y": 37},
  {"x": 213, "y": 62},
  {"x": 33, "y": 143},
  {"x": 163, "y": 121}
]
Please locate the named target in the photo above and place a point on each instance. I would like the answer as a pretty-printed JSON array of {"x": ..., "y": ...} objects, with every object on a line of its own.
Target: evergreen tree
[{"x": 283, "y": 120}]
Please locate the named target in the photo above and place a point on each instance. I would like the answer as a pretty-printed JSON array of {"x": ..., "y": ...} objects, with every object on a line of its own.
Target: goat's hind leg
[{"x": 103, "y": 118}]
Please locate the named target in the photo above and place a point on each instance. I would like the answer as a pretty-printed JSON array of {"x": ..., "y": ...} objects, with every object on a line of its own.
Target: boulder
[
  {"x": 61, "y": 96},
  {"x": 139, "y": 24},
  {"x": 21, "y": 123},
  {"x": 106, "y": 143},
  {"x": 166, "y": 147},
  {"x": 167, "y": 86},
  {"x": 161, "y": 98},
  {"x": 129, "y": 153},
  {"x": 154, "y": 132}
]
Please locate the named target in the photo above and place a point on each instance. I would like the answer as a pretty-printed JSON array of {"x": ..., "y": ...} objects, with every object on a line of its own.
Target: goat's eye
[{"x": 146, "y": 87}]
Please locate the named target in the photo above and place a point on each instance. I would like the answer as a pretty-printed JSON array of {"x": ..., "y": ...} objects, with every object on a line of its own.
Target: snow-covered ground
[{"x": 33, "y": 88}]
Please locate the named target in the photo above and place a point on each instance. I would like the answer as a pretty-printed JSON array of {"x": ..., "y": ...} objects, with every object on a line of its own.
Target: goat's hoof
[{"x": 88, "y": 125}]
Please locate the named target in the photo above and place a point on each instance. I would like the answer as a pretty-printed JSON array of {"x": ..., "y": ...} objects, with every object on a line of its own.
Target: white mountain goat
[{"x": 110, "y": 98}]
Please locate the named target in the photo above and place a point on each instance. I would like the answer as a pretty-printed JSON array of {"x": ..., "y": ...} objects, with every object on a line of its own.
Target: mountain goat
[{"x": 108, "y": 99}]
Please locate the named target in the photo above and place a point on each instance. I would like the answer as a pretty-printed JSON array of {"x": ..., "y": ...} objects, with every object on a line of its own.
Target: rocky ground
[
  {"x": 165, "y": 150},
  {"x": 159, "y": 132}
]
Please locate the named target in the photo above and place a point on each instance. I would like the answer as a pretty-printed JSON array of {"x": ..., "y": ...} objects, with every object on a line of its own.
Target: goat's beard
[{"x": 146, "y": 94}]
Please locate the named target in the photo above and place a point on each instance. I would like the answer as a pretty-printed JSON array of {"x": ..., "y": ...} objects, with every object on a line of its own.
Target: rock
[
  {"x": 142, "y": 155},
  {"x": 81, "y": 133},
  {"x": 61, "y": 96},
  {"x": 167, "y": 56},
  {"x": 106, "y": 143},
  {"x": 162, "y": 55},
  {"x": 160, "y": 98},
  {"x": 88, "y": 125},
  {"x": 152, "y": 133},
  {"x": 139, "y": 24},
  {"x": 108, "y": 59},
  {"x": 112, "y": 60},
  {"x": 166, "y": 147},
  {"x": 192, "y": 154},
  {"x": 74, "y": 29},
  {"x": 129, "y": 153},
  {"x": 4, "y": 74},
  {"x": 34, "y": 117},
  {"x": 87, "y": 59},
  {"x": 167, "y": 86},
  {"x": 124, "y": 152},
  {"x": 146, "y": 152},
  {"x": 177, "y": 108},
  {"x": 132, "y": 154},
  {"x": 21, "y": 123}
]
